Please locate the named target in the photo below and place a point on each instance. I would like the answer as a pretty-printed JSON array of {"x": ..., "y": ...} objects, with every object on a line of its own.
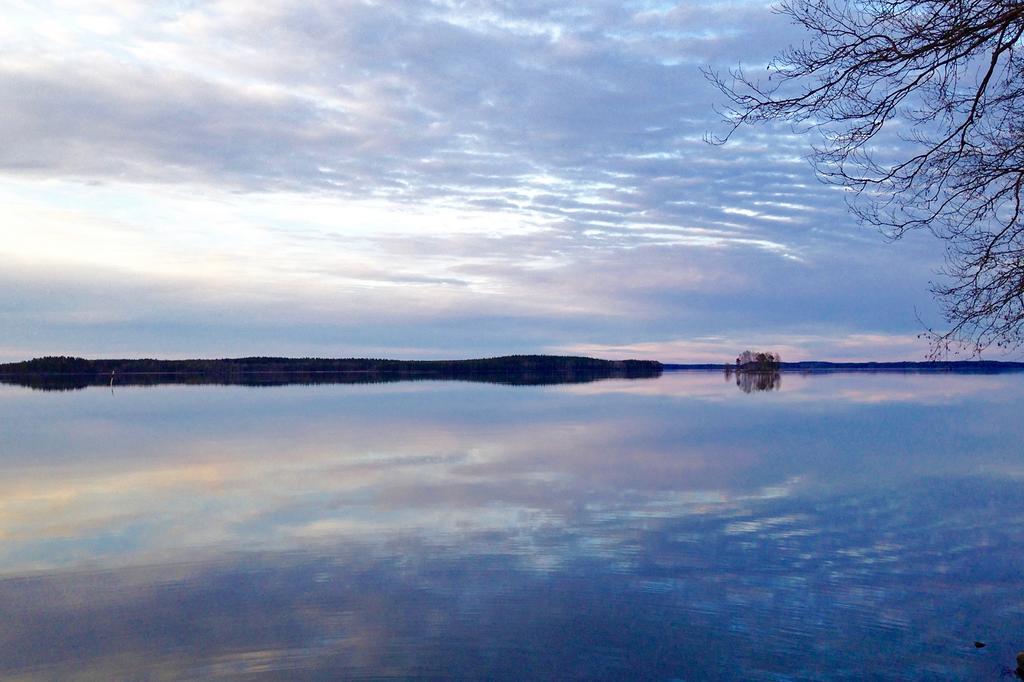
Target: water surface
[{"x": 840, "y": 526}]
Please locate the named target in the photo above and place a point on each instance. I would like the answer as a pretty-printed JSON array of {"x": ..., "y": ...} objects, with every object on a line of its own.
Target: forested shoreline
[{"x": 66, "y": 372}]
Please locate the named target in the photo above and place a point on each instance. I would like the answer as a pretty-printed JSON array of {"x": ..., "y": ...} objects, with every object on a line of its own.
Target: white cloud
[{"x": 377, "y": 161}]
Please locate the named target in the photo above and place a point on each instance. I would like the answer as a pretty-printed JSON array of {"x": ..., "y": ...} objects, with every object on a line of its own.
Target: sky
[{"x": 422, "y": 180}]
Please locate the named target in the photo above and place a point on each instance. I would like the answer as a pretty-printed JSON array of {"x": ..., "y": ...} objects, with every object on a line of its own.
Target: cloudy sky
[{"x": 420, "y": 179}]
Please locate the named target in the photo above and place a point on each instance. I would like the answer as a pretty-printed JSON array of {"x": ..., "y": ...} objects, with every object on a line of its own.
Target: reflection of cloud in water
[
  {"x": 274, "y": 503},
  {"x": 515, "y": 532},
  {"x": 885, "y": 583},
  {"x": 178, "y": 470}
]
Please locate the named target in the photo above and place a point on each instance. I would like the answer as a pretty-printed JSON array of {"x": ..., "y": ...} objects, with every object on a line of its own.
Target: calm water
[{"x": 845, "y": 526}]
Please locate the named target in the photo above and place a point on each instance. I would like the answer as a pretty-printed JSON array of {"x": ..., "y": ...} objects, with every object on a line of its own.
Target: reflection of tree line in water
[
  {"x": 72, "y": 383},
  {"x": 63, "y": 374}
]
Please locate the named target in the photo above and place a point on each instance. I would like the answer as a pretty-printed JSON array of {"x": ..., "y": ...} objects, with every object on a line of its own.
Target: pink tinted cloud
[{"x": 849, "y": 347}]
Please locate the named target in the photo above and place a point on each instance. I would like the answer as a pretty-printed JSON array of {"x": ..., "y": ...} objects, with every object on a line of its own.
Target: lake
[{"x": 829, "y": 526}]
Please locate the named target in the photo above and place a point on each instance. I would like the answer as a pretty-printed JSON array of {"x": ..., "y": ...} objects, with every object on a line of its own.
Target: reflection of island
[
  {"x": 749, "y": 382},
  {"x": 69, "y": 373}
]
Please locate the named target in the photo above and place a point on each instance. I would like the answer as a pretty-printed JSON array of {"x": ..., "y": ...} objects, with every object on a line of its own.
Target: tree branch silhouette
[{"x": 919, "y": 107}]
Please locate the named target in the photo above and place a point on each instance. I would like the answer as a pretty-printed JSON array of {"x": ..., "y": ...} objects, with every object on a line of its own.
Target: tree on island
[
  {"x": 919, "y": 107},
  {"x": 749, "y": 361}
]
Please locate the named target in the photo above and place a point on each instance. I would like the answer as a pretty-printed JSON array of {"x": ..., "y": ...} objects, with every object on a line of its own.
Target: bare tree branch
[{"x": 952, "y": 74}]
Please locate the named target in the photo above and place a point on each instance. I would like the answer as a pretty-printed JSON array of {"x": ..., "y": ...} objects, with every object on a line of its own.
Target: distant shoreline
[
  {"x": 964, "y": 366},
  {"x": 62, "y": 373},
  {"x": 69, "y": 373}
]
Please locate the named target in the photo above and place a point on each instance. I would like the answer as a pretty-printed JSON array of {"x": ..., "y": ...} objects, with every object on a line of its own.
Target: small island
[
  {"x": 761, "y": 361},
  {"x": 65, "y": 372},
  {"x": 756, "y": 371}
]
